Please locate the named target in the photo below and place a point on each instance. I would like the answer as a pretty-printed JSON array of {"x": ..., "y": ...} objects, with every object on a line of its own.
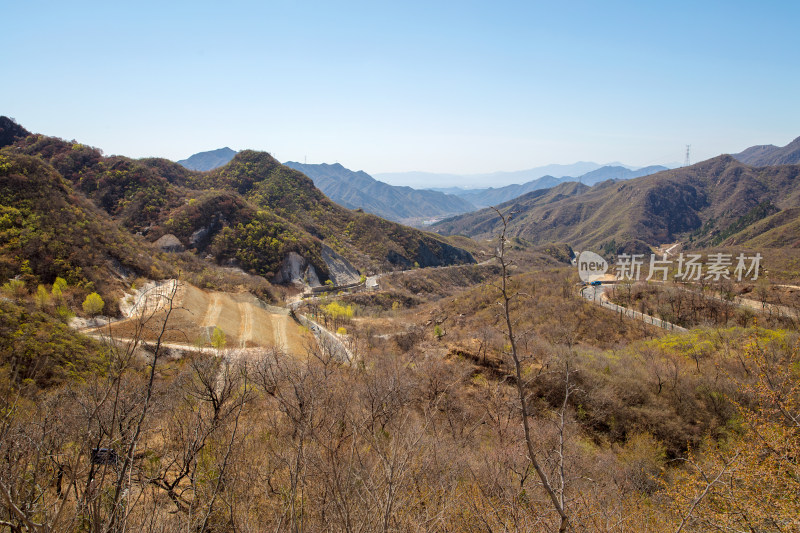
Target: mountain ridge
[
  {"x": 209, "y": 160},
  {"x": 359, "y": 190},
  {"x": 252, "y": 213},
  {"x": 494, "y": 196},
  {"x": 705, "y": 204},
  {"x": 770, "y": 155},
  {"x": 423, "y": 179}
]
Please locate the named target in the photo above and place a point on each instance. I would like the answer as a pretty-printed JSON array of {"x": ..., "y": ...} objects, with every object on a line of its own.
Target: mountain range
[
  {"x": 495, "y": 196},
  {"x": 68, "y": 211},
  {"x": 723, "y": 200},
  {"x": 425, "y": 179},
  {"x": 359, "y": 190},
  {"x": 718, "y": 201}
]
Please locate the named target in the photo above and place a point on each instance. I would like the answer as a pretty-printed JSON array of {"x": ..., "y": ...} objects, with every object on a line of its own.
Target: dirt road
[{"x": 279, "y": 329}]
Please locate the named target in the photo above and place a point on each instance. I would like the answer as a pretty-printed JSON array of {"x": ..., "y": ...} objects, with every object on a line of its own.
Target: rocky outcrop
[
  {"x": 340, "y": 270},
  {"x": 169, "y": 243},
  {"x": 296, "y": 269}
]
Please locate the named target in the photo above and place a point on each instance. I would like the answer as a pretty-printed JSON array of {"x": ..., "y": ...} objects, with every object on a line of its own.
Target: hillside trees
[{"x": 750, "y": 481}]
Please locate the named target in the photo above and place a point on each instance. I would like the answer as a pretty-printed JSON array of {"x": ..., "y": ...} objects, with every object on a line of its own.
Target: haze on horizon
[{"x": 448, "y": 87}]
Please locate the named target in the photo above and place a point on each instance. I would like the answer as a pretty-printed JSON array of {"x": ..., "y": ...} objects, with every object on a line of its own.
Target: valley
[{"x": 250, "y": 355}]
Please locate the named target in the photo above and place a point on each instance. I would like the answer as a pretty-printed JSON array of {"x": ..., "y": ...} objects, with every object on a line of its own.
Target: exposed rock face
[
  {"x": 340, "y": 270},
  {"x": 201, "y": 238},
  {"x": 169, "y": 243},
  {"x": 295, "y": 269}
]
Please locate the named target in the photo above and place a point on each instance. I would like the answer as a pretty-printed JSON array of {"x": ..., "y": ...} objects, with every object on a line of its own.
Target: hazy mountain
[
  {"x": 360, "y": 190},
  {"x": 708, "y": 203},
  {"x": 769, "y": 154},
  {"x": 492, "y": 196},
  {"x": 204, "y": 161},
  {"x": 426, "y": 179},
  {"x": 495, "y": 196},
  {"x": 615, "y": 172}
]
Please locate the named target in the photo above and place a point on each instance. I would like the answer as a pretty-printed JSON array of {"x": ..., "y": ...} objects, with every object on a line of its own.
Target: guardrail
[{"x": 335, "y": 288}]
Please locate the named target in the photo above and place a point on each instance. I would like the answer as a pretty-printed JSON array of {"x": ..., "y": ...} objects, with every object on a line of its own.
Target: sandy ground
[{"x": 244, "y": 320}]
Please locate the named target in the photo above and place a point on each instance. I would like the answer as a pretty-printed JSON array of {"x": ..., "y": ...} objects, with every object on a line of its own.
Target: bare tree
[{"x": 506, "y": 298}]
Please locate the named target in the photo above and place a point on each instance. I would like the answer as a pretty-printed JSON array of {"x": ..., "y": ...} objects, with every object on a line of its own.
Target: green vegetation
[
  {"x": 218, "y": 339},
  {"x": 93, "y": 304},
  {"x": 48, "y": 228},
  {"x": 39, "y": 350},
  {"x": 762, "y": 210},
  {"x": 252, "y": 212},
  {"x": 42, "y": 298}
]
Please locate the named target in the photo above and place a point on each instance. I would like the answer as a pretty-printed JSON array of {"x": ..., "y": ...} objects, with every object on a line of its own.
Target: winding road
[{"x": 591, "y": 293}]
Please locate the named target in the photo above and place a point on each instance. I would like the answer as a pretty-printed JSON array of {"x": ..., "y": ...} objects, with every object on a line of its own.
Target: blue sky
[{"x": 459, "y": 87}]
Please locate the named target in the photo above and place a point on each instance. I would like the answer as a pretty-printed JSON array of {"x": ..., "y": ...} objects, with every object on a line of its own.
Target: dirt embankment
[{"x": 245, "y": 321}]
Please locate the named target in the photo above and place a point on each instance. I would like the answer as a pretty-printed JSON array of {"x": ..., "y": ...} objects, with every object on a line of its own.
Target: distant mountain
[
  {"x": 210, "y": 160},
  {"x": 769, "y": 155},
  {"x": 716, "y": 201},
  {"x": 356, "y": 190},
  {"x": 615, "y": 173},
  {"x": 492, "y": 196},
  {"x": 426, "y": 179}
]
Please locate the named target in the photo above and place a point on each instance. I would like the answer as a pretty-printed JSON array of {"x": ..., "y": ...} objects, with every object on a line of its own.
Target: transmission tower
[{"x": 686, "y": 163}]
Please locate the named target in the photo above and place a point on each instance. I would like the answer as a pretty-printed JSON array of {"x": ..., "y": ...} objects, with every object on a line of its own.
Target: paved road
[
  {"x": 328, "y": 340},
  {"x": 372, "y": 281},
  {"x": 598, "y": 296}
]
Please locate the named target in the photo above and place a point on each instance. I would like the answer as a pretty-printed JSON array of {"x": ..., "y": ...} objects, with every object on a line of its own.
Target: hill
[
  {"x": 705, "y": 203},
  {"x": 769, "y": 154},
  {"x": 49, "y": 230},
  {"x": 11, "y": 132},
  {"x": 359, "y": 190},
  {"x": 252, "y": 213},
  {"x": 210, "y": 160},
  {"x": 285, "y": 199}
]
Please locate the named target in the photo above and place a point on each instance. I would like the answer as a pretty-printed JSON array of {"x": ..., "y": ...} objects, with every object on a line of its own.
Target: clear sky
[{"x": 439, "y": 86}]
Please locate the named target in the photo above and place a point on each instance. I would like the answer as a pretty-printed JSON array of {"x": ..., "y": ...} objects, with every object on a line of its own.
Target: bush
[
  {"x": 93, "y": 304},
  {"x": 218, "y": 339}
]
